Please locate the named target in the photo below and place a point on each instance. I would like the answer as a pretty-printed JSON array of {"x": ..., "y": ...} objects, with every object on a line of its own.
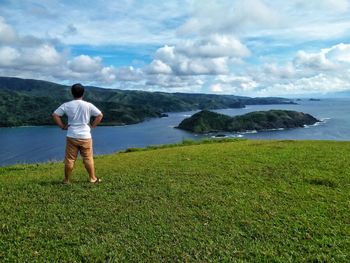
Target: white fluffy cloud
[
  {"x": 25, "y": 56},
  {"x": 159, "y": 67},
  {"x": 281, "y": 72},
  {"x": 108, "y": 74},
  {"x": 183, "y": 83},
  {"x": 98, "y": 22},
  {"x": 245, "y": 47},
  {"x": 213, "y": 47},
  {"x": 84, "y": 63},
  {"x": 29, "y": 57},
  {"x": 165, "y": 53},
  {"x": 208, "y": 56},
  {"x": 324, "y": 71},
  {"x": 319, "y": 84},
  {"x": 229, "y": 16},
  {"x": 314, "y": 61},
  {"x": 318, "y": 72},
  {"x": 129, "y": 74},
  {"x": 200, "y": 66},
  {"x": 338, "y": 5},
  {"x": 339, "y": 53},
  {"x": 46, "y": 61},
  {"x": 7, "y": 34},
  {"x": 329, "y": 5},
  {"x": 217, "y": 88},
  {"x": 327, "y": 70},
  {"x": 336, "y": 57},
  {"x": 43, "y": 55},
  {"x": 230, "y": 84},
  {"x": 285, "y": 21},
  {"x": 8, "y": 56}
]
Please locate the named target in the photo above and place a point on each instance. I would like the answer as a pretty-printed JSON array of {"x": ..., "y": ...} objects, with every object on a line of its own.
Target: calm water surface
[{"x": 41, "y": 144}]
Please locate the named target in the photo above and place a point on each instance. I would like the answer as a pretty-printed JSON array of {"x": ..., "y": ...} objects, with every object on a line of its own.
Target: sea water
[{"x": 47, "y": 143}]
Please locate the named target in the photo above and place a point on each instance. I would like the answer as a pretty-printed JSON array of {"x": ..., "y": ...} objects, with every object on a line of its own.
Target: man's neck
[{"x": 78, "y": 98}]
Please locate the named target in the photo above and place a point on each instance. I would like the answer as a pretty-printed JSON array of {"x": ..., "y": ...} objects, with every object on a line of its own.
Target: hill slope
[
  {"x": 256, "y": 201},
  {"x": 119, "y": 106}
]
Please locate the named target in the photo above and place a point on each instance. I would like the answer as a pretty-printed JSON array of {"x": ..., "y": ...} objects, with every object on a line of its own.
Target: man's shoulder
[
  {"x": 89, "y": 103},
  {"x": 86, "y": 103},
  {"x": 81, "y": 103},
  {"x": 75, "y": 102},
  {"x": 69, "y": 102},
  {"x": 63, "y": 104}
]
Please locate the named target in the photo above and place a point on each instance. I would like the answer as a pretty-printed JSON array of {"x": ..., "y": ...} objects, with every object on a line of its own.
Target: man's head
[{"x": 77, "y": 91}]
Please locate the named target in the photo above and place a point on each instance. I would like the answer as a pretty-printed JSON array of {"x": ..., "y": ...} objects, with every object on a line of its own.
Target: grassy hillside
[{"x": 279, "y": 201}]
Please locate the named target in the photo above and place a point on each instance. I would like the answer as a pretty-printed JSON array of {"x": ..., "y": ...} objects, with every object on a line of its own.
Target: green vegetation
[
  {"x": 119, "y": 106},
  {"x": 17, "y": 110},
  {"x": 255, "y": 201},
  {"x": 207, "y": 121}
]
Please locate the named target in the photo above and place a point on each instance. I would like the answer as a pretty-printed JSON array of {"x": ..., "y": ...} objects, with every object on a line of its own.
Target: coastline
[{"x": 41, "y": 143}]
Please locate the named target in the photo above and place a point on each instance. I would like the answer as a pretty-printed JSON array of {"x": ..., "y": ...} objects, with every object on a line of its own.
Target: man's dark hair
[{"x": 77, "y": 90}]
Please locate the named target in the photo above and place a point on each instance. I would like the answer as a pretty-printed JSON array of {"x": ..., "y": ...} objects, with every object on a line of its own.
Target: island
[{"x": 207, "y": 121}]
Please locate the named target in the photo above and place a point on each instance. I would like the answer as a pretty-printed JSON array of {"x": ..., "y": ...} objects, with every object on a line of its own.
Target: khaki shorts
[{"x": 74, "y": 146}]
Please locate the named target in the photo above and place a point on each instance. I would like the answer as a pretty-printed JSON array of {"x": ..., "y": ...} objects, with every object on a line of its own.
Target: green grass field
[{"x": 249, "y": 201}]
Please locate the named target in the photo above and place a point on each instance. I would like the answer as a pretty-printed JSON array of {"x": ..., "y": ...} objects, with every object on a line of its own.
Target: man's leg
[
  {"x": 86, "y": 152},
  {"x": 71, "y": 155}
]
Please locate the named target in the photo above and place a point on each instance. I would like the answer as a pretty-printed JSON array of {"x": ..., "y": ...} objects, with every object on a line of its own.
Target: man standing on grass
[{"x": 79, "y": 139}]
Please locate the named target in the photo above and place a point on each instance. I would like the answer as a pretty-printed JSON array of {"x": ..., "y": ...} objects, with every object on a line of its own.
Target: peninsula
[{"x": 36, "y": 99}]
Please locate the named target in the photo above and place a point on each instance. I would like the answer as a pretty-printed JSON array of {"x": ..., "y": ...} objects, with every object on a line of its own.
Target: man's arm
[
  {"x": 97, "y": 120},
  {"x": 58, "y": 121}
]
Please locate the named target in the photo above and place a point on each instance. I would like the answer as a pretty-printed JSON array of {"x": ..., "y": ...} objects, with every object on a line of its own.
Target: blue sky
[{"x": 251, "y": 47}]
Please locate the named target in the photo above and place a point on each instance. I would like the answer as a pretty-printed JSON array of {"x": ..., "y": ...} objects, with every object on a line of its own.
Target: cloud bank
[{"x": 252, "y": 47}]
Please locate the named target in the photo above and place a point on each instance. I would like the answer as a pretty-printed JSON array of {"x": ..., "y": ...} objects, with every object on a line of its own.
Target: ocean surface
[{"x": 42, "y": 144}]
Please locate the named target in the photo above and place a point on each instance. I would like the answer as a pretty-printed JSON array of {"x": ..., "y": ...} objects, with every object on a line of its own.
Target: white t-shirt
[{"x": 79, "y": 113}]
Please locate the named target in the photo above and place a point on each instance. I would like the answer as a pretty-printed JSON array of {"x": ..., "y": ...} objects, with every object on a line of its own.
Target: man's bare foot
[{"x": 66, "y": 182}]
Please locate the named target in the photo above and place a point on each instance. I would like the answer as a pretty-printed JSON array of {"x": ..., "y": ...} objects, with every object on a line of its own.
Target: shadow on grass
[
  {"x": 60, "y": 183},
  {"x": 51, "y": 183},
  {"x": 187, "y": 142},
  {"x": 322, "y": 182}
]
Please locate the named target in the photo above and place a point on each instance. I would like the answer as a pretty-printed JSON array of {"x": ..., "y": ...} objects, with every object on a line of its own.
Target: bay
[{"x": 47, "y": 143}]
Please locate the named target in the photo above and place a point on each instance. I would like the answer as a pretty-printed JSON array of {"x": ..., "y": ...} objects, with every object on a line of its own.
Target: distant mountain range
[{"x": 31, "y": 102}]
